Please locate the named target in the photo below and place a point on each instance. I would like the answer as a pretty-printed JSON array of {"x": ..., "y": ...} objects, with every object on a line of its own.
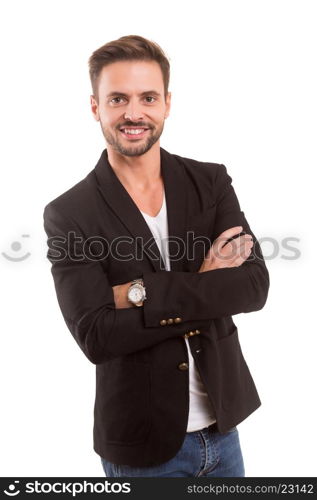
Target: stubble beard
[{"x": 133, "y": 150}]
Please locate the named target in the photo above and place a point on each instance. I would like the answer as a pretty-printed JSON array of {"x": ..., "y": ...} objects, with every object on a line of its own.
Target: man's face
[{"x": 131, "y": 107}]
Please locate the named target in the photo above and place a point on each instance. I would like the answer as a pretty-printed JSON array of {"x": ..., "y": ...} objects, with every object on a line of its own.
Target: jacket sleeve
[
  {"x": 216, "y": 293},
  {"x": 86, "y": 298}
]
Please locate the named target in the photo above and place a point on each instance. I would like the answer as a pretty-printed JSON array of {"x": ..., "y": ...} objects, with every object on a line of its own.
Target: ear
[
  {"x": 168, "y": 104},
  {"x": 94, "y": 108}
]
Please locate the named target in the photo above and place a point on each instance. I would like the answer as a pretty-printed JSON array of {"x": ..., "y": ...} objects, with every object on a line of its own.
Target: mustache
[{"x": 131, "y": 124}]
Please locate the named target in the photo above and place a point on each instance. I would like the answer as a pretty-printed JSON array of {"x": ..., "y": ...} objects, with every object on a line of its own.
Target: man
[{"x": 151, "y": 256}]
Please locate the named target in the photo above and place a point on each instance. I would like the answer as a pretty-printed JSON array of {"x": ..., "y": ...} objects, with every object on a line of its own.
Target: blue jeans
[{"x": 204, "y": 453}]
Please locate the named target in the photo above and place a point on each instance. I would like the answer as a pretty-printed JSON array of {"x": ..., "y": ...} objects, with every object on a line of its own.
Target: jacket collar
[{"x": 121, "y": 203}]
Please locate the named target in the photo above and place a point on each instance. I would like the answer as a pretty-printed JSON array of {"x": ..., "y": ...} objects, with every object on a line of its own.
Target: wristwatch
[{"x": 136, "y": 292}]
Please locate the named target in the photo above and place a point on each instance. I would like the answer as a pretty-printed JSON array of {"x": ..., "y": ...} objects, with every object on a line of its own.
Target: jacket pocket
[{"x": 124, "y": 401}]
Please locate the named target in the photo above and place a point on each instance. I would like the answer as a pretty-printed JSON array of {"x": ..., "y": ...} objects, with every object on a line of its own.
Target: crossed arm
[
  {"x": 224, "y": 252},
  {"x": 95, "y": 312}
]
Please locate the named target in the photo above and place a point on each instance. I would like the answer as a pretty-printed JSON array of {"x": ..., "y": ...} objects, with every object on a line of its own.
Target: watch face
[{"x": 135, "y": 294}]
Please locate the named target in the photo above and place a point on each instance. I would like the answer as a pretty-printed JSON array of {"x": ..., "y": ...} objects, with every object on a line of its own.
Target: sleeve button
[
  {"x": 163, "y": 322},
  {"x": 170, "y": 321},
  {"x": 177, "y": 320},
  {"x": 183, "y": 366},
  {"x": 188, "y": 334}
]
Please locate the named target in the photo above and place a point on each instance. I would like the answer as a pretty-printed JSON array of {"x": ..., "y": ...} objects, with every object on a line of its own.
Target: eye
[
  {"x": 150, "y": 97},
  {"x": 116, "y": 100}
]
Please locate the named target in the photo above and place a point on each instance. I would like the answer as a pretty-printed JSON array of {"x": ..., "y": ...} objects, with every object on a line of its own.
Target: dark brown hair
[{"x": 127, "y": 48}]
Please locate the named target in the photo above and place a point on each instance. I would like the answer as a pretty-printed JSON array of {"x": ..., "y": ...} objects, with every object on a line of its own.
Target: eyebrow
[{"x": 121, "y": 94}]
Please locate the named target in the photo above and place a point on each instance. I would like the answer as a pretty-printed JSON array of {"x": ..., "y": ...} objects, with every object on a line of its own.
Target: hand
[
  {"x": 120, "y": 293},
  {"x": 232, "y": 254}
]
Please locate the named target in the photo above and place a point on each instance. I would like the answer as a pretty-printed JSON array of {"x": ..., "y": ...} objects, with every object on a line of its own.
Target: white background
[{"x": 243, "y": 86}]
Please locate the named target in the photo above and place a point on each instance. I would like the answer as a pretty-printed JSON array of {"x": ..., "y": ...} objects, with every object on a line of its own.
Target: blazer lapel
[
  {"x": 121, "y": 203},
  {"x": 177, "y": 206}
]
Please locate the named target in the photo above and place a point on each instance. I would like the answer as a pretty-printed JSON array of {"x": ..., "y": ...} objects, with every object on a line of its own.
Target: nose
[{"x": 133, "y": 111}]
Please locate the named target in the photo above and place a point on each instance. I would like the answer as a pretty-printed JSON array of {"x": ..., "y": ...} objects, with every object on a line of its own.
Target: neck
[{"x": 137, "y": 172}]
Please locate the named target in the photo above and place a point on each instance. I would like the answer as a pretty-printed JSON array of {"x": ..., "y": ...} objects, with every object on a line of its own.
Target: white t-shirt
[{"x": 201, "y": 413}]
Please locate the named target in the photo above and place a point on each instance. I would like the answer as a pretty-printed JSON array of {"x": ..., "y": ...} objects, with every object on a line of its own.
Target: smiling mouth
[{"x": 133, "y": 132}]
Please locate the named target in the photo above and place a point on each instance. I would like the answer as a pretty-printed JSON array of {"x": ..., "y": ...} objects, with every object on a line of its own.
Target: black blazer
[{"x": 98, "y": 238}]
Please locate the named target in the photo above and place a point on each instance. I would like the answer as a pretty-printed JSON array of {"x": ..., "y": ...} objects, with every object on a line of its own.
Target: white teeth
[{"x": 133, "y": 131}]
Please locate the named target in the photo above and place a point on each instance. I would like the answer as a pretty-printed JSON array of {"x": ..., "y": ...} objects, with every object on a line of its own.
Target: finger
[
  {"x": 228, "y": 233},
  {"x": 239, "y": 260},
  {"x": 232, "y": 248},
  {"x": 241, "y": 248},
  {"x": 223, "y": 241},
  {"x": 225, "y": 236},
  {"x": 237, "y": 237},
  {"x": 244, "y": 253},
  {"x": 236, "y": 243}
]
